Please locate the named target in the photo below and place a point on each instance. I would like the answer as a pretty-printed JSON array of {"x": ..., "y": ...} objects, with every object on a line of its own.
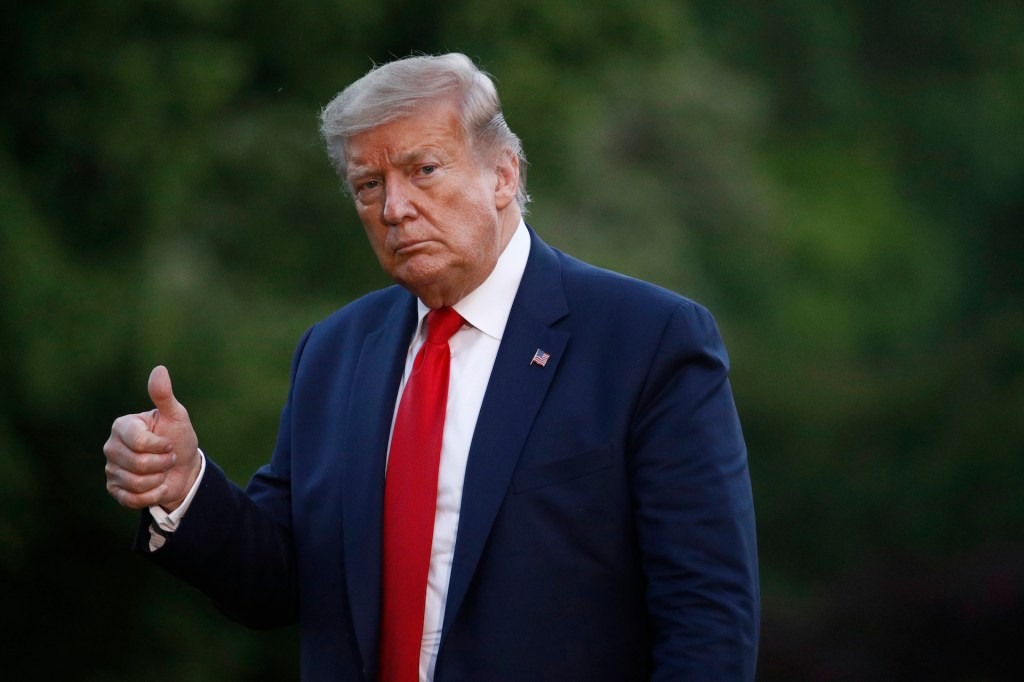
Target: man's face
[{"x": 436, "y": 216}]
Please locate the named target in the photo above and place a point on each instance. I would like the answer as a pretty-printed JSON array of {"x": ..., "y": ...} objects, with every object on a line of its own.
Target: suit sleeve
[
  {"x": 236, "y": 546},
  {"x": 694, "y": 509}
]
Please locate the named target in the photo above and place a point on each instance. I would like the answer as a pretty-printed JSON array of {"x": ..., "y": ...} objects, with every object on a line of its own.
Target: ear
[{"x": 506, "y": 173}]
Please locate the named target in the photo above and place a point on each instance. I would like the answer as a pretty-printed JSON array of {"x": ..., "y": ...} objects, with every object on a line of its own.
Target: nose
[{"x": 398, "y": 204}]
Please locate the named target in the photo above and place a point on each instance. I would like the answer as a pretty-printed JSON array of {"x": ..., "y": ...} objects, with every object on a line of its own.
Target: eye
[
  {"x": 366, "y": 186},
  {"x": 428, "y": 169}
]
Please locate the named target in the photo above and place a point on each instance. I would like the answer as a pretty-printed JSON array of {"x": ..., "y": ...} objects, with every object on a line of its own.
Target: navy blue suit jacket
[{"x": 607, "y": 527}]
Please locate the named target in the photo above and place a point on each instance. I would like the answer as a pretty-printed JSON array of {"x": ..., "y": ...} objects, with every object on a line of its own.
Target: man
[{"x": 543, "y": 478}]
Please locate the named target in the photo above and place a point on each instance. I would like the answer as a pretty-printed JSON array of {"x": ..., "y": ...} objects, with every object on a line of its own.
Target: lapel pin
[{"x": 540, "y": 358}]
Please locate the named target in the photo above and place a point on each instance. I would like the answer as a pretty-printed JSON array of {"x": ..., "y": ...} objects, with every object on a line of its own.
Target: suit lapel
[
  {"x": 364, "y": 453},
  {"x": 514, "y": 394}
]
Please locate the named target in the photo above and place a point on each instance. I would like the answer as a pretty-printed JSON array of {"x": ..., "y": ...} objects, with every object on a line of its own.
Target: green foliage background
[{"x": 841, "y": 183}]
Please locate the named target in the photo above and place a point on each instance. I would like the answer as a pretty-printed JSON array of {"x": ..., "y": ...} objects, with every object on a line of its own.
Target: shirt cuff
[{"x": 167, "y": 522}]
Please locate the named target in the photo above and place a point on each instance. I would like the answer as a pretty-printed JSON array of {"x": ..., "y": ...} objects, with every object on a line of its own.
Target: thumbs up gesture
[{"x": 153, "y": 457}]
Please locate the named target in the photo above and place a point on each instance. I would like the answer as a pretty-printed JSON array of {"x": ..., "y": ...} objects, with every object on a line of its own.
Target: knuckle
[
  {"x": 136, "y": 463},
  {"x": 120, "y": 425},
  {"x": 137, "y": 484},
  {"x": 121, "y": 495},
  {"x": 124, "y": 463}
]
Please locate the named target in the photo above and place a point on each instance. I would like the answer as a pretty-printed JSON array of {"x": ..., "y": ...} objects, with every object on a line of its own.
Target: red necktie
[{"x": 410, "y": 499}]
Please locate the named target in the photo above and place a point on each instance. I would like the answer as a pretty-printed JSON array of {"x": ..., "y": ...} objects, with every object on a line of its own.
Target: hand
[{"x": 153, "y": 457}]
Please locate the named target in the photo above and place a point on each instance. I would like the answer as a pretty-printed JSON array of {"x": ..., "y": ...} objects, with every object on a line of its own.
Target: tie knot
[{"x": 442, "y": 323}]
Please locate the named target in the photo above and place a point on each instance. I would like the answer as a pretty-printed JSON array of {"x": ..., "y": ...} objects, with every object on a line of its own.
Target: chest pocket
[{"x": 562, "y": 470}]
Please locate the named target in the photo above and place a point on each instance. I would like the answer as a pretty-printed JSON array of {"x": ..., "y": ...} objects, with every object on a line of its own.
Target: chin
[{"x": 418, "y": 278}]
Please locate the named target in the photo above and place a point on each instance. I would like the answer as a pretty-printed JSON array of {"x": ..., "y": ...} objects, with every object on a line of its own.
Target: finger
[
  {"x": 161, "y": 392},
  {"x": 134, "y": 483},
  {"x": 135, "y": 434},
  {"x": 136, "y": 500},
  {"x": 137, "y": 463}
]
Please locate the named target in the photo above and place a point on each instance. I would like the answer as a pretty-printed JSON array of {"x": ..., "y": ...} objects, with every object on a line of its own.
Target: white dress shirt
[{"x": 474, "y": 348}]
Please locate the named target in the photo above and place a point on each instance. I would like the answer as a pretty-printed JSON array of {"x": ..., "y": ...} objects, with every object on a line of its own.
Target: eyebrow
[
  {"x": 418, "y": 155},
  {"x": 355, "y": 169}
]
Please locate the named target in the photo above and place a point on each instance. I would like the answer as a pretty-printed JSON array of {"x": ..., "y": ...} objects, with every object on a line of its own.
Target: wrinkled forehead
[{"x": 432, "y": 128}]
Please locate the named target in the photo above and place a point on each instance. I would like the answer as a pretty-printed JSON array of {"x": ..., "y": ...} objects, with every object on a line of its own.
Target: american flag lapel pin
[{"x": 540, "y": 358}]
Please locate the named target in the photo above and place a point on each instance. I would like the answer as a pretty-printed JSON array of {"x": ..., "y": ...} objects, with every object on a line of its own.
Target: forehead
[{"x": 434, "y": 128}]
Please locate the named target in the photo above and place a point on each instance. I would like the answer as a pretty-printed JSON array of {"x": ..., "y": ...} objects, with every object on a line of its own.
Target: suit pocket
[{"x": 562, "y": 470}]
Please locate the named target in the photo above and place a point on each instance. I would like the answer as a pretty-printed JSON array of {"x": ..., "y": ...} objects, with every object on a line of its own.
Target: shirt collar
[{"x": 488, "y": 306}]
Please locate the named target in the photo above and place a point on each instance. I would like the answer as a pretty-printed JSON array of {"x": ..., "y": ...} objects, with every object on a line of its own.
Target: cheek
[{"x": 480, "y": 226}]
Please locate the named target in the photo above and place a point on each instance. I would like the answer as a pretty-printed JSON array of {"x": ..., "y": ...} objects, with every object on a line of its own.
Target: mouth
[{"x": 409, "y": 247}]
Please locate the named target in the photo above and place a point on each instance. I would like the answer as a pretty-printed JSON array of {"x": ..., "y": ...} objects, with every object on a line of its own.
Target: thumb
[{"x": 162, "y": 393}]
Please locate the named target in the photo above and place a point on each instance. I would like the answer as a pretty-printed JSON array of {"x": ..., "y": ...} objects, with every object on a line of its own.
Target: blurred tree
[{"x": 840, "y": 182}]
